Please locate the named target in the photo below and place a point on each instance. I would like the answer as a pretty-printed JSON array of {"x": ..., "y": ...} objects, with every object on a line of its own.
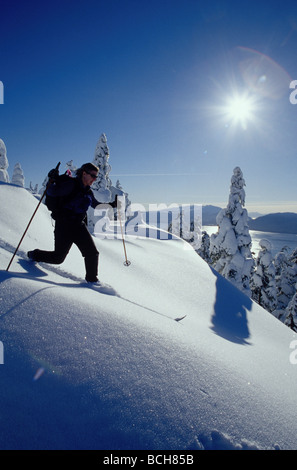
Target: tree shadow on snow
[{"x": 230, "y": 312}]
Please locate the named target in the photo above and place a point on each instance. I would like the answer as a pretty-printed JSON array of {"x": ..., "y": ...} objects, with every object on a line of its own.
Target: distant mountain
[
  {"x": 254, "y": 215},
  {"x": 281, "y": 222},
  {"x": 209, "y": 214}
]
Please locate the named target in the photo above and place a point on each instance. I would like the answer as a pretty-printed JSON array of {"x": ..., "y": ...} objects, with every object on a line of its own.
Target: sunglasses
[{"x": 92, "y": 175}]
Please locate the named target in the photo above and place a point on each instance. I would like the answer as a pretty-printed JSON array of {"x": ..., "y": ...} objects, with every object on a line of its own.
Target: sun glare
[{"x": 239, "y": 110}]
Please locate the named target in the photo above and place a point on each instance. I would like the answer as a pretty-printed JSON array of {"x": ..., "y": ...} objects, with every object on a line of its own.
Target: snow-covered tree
[
  {"x": 43, "y": 186},
  {"x": 186, "y": 223},
  {"x": 102, "y": 187},
  {"x": 175, "y": 226},
  {"x": 120, "y": 191},
  {"x": 263, "y": 285},
  {"x": 230, "y": 247},
  {"x": 103, "y": 183},
  {"x": 190, "y": 230},
  {"x": 4, "y": 177},
  {"x": 280, "y": 260},
  {"x": 70, "y": 168},
  {"x": 33, "y": 190},
  {"x": 18, "y": 176},
  {"x": 203, "y": 251},
  {"x": 293, "y": 260},
  {"x": 290, "y": 315},
  {"x": 286, "y": 278},
  {"x": 118, "y": 185}
]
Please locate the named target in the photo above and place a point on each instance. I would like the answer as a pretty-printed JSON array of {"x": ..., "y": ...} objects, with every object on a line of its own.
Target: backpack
[{"x": 55, "y": 203}]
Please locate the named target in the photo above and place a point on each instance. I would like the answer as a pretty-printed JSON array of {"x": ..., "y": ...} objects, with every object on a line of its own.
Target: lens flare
[{"x": 239, "y": 110}]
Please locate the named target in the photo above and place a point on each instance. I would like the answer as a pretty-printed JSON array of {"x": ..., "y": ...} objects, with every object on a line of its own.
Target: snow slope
[{"x": 114, "y": 370}]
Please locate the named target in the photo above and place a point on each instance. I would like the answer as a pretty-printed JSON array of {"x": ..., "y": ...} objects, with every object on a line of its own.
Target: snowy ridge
[{"x": 87, "y": 370}]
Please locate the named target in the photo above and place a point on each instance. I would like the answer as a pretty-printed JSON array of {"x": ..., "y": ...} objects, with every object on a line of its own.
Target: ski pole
[
  {"x": 126, "y": 263},
  {"x": 33, "y": 215}
]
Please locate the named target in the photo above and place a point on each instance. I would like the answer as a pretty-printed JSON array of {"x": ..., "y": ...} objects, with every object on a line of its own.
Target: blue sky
[{"x": 159, "y": 79}]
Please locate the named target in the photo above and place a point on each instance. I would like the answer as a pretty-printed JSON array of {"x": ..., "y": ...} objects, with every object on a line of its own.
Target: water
[{"x": 277, "y": 240}]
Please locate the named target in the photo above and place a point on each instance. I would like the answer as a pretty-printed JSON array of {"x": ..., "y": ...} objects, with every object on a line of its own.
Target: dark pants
[{"x": 68, "y": 232}]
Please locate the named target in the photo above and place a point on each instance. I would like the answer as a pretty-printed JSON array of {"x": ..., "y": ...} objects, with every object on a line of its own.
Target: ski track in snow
[{"x": 35, "y": 273}]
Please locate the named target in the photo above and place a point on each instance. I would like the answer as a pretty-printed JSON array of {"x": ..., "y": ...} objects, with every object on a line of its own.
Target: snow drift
[{"x": 112, "y": 369}]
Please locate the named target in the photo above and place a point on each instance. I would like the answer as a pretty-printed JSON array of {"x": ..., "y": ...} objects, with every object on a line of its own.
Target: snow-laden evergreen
[
  {"x": 263, "y": 284},
  {"x": 112, "y": 369},
  {"x": 103, "y": 189},
  {"x": 286, "y": 278},
  {"x": 230, "y": 247},
  {"x": 102, "y": 184},
  {"x": 18, "y": 176},
  {"x": 33, "y": 189},
  {"x": 290, "y": 316},
  {"x": 4, "y": 177},
  {"x": 203, "y": 250},
  {"x": 70, "y": 168},
  {"x": 43, "y": 186},
  {"x": 287, "y": 293},
  {"x": 119, "y": 191}
]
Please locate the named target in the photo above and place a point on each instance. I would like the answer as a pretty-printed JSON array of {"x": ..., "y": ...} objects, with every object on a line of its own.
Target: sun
[{"x": 239, "y": 109}]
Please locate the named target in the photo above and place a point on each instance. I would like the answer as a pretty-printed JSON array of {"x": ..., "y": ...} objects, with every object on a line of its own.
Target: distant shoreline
[{"x": 277, "y": 239}]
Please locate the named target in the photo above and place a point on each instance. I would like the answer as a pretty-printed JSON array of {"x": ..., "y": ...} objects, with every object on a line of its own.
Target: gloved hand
[
  {"x": 116, "y": 204},
  {"x": 53, "y": 174}
]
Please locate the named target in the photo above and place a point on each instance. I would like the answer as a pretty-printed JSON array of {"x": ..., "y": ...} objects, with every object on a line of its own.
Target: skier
[{"x": 72, "y": 197}]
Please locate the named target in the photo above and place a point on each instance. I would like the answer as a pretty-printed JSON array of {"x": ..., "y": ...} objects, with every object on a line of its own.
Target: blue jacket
[{"x": 71, "y": 197}]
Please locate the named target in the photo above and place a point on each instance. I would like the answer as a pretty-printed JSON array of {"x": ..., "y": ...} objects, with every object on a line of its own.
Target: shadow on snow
[{"x": 229, "y": 319}]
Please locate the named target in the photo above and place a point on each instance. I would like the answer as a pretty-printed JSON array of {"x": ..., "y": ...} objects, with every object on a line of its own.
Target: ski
[
  {"x": 39, "y": 271},
  {"x": 100, "y": 287},
  {"x": 180, "y": 318}
]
